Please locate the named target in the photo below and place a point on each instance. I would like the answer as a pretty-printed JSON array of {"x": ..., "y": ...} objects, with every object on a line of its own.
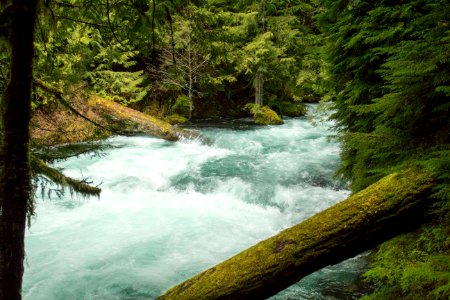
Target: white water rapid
[{"x": 170, "y": 210}]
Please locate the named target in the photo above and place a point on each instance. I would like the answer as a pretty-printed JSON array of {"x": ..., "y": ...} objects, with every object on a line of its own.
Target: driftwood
[{"x": 395, "y": 204}]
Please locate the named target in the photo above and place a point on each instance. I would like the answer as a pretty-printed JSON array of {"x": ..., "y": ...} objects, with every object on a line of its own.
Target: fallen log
[
  {"x": 110, "y": 117},
  {"x": 393, "y": 205},
  {"x": 127, "y": 121}
]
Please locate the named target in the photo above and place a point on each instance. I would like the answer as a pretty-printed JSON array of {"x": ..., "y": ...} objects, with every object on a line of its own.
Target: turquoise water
[{"x": 170, "y": 210}]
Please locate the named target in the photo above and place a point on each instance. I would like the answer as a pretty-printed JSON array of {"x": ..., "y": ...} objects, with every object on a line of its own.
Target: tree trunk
[
  {"x": 259, "y": 84},
  {"x": 395, "y": 204},
  {"x": 191, "y": 75},
  {"x": 15, "y": 181}
]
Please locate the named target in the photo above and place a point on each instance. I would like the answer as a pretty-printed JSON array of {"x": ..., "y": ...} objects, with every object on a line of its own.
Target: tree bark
[
  {"x": 191, "y": 76},
  {"x": 15, "y": 181},
  {"x": 259, "y": 88},
  {"x": 395, "y": 204}
]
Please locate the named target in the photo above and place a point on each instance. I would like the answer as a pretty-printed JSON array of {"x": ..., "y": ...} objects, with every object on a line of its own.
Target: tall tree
[
  {"x": 390, "y": 63},
  {"x": 15, "y": 185}
]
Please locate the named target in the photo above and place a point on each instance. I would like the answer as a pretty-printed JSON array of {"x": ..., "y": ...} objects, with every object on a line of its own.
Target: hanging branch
[
  {"x": 153, "y": 26},
  {"x": 172, "y": 41},
  {"x": 110, "y": 26},
  {"x": 82, "y": 187}
]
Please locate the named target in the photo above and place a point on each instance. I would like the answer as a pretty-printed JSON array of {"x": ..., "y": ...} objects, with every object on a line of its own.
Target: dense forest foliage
[
  {"x": 389, "y": 68},
  {"x": 384, "y": 66}
]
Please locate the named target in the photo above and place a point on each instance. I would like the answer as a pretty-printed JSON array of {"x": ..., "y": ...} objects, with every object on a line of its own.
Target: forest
[{"x": 74, "y": 73}]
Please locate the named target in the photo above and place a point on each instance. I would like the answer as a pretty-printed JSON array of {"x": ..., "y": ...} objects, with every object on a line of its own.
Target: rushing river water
[{"x": 170, "y": 210}]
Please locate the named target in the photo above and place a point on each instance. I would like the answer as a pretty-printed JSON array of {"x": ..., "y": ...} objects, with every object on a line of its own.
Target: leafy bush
[
  {"x": 175, "y": 119},
  {"x": 413, "y": 266},
  {"x": 181, "y": 106},
  {"x": 263, "y": 115}
]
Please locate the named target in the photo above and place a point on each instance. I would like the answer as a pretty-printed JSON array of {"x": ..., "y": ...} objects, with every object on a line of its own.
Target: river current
[{"x": 170, "y": 210}]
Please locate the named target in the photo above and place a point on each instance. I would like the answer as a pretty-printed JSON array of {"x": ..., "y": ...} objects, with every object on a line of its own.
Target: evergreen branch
[
  {"x": 50, "y": 154},
  {"x": 82, "y": 187}
]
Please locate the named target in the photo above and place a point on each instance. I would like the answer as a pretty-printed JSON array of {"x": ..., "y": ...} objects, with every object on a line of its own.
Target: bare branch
[{"x": 81, "y": 21}]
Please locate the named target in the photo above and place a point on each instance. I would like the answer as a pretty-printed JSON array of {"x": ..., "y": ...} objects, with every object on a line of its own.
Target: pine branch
[
  {"x": 50, "y": 154},
  {"x": 82, "y": 187}
]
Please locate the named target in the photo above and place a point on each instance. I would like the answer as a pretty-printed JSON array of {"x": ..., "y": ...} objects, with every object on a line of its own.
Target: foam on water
[{"x": 170, "y": 210}]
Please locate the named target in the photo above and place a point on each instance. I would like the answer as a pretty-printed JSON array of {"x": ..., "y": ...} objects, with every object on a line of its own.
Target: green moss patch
[{"x": 263, "y": 115}]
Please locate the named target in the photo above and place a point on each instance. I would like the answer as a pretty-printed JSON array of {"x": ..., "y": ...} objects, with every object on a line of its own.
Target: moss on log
[
  {"x": 263, "y": 115},
  {"x": 393, "y": 205},
  {"x": 96, "y": 119},
  {"x": 127, "y": 121}
]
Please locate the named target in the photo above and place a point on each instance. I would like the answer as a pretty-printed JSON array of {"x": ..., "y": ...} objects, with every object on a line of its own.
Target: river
[{"x": 170, "y": 210}]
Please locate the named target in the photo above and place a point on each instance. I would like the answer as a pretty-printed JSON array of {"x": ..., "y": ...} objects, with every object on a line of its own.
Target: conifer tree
[
  {"x": 15, "y": 185},
  {"x": 390, "y": 65}
]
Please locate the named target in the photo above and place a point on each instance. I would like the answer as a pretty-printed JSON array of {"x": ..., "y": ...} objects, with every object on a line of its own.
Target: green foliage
[
  {"x": 175, "y": 119},
  {"x": 413, "y": 266},
  {"x": 259, "y": 55},
  {"x": 111, "y": 75},
  {"x": 181, "y": 106},
  {"x": 122, "y": 87},
  {"x": 260, "y": 46},
  {"x": 263, "y": 115},
  {"x": 291, "y": 109},
  {"x": 390, "y": 64},
  {"x": 390, "y": 71},
  {"x": 62, "y": 53}
]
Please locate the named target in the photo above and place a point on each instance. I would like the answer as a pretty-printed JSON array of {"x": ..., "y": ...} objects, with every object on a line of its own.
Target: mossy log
[
  {"x": 127, "y": 121},
  {"x": 113, "y": 118},
  {"x": 395, "y": 204}
]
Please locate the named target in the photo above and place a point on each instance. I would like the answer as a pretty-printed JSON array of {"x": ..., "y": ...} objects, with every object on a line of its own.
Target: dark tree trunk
[
  {"x": 395, "y": 204},
  {"x": 15, "y": 182}
]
